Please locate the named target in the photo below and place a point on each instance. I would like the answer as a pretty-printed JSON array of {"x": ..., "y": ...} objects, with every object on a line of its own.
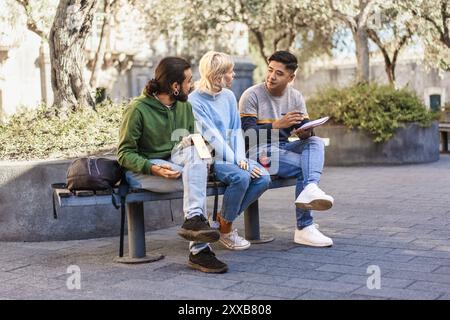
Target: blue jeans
[
  {"x": 194, "y": 176},
  {"x": 303, "y": 159},
  {"x": 241, "y": 189}
]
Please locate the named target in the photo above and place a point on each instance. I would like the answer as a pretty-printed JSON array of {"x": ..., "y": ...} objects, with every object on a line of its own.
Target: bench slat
[{"x": 67, "y": 199}]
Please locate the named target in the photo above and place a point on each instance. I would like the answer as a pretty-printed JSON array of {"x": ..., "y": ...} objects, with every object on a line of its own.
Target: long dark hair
[{"x": 168, "y": 71}]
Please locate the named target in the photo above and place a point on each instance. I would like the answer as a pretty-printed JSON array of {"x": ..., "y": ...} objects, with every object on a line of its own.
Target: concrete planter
[
  {"x": 411, "y": 144},
  {"x": 26, "y": 207}
]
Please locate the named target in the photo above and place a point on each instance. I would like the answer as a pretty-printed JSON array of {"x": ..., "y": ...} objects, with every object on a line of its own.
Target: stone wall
[{"x": 26, "y": 207}]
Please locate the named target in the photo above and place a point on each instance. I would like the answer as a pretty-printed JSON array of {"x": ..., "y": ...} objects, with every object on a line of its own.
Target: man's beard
[{"x": 183, "y": 97}]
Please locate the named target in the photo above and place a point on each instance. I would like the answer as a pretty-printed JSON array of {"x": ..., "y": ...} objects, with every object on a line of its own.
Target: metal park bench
[{"x": 134, "y": 203}]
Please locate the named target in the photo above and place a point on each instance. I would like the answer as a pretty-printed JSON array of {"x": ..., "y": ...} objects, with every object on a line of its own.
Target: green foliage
[
  {"x": 33, "y": 134},
  {"x": 377, "y": 109}
]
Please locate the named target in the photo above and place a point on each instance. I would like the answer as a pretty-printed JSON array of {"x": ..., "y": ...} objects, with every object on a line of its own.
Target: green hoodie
[{"x": 146, "y": 131}]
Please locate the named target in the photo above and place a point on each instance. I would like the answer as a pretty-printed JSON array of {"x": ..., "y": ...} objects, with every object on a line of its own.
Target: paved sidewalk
[{"x": 395, "y": 218}]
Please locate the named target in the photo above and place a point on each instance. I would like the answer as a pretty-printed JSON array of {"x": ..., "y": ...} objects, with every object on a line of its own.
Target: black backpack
[
  {"x": 97, "y": 174},
  {"x": 93, "y": 174}
]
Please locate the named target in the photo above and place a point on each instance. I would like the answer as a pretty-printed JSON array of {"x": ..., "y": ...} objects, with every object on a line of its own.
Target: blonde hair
[{"x": 212, "y": 67}]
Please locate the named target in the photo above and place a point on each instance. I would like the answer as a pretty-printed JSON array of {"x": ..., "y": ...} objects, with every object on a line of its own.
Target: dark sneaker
[
  {"x": 198, "y": 229},
  {"x": 206, "y": 261}
]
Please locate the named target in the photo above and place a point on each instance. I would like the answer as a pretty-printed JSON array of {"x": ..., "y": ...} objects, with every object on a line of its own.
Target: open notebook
[{"x": 314, "y": 123}]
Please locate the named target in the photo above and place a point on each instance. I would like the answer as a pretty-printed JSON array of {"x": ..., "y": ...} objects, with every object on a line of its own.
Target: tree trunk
[
  {"x": 72, "y": 24},
  {"x": 362, "y": 55},
  {"x": 104, "y": 35},
  {"x": 261, "y": 46}
]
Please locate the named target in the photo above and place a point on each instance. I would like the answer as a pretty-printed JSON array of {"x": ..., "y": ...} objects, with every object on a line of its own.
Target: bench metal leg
[
  {"x": 251, "y": 220},
  {"x": 136, "y": 237}
]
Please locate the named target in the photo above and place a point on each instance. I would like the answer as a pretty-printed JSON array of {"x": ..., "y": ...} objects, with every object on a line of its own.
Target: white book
[
  {"x": 314, "y": 123},
  {"x": 200, "y": 146}
]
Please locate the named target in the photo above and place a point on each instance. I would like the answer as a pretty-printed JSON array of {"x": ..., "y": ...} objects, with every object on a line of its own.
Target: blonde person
[{"x": 217, "y": 118}]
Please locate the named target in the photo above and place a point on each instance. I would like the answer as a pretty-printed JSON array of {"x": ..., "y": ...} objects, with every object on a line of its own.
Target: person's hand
[
  {"x": 256, "y": 173},
  {"x": 164, "y": 171},
  {"x": 185, "y": 142},
  {"x": 302, "y": 133},
  {"x": 289, "y": 119},
  {"x": 243, "y": 165}
]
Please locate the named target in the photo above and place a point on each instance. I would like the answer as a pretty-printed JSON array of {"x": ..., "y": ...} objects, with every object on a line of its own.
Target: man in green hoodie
[{"x": 149, "y": 148}]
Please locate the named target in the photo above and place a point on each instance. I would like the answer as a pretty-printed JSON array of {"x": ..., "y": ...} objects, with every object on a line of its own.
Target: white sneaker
[
  {"x": 312, "y": 198},
  {"x": 233, "y": 241},
  {"x": 311, "y": 236}
]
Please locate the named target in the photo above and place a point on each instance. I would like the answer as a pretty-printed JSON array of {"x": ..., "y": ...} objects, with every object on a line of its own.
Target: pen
[{"x": 301, "y": 113}]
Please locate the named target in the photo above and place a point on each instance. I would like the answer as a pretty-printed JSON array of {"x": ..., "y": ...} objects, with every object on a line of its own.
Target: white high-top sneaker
[
  {"x": 312, "y": 198},
  {"x": 311, "y": 236},
  {"x": 233, "y": 241}
]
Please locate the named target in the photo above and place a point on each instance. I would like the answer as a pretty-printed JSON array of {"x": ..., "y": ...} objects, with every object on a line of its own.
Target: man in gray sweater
[{"x": 278, "y": 109}]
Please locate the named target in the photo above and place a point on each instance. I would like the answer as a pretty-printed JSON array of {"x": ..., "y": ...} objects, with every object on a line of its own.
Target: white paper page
[{"x": 314, "y": 123}]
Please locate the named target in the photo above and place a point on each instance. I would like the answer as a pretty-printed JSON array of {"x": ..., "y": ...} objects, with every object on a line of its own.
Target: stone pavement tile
[
  {"x": 263, "y": 297},
  {"x": 430, "y": 242},
  {"x": 229, "y": 256},
  {"x": 6, "y": 288},
  {"x": 42, "y": 271},
  {"x": 365, "y": 249},
  {"x": 438, "y": 261},
  {"x": 296, "y": 273},
  {"x": 41, "y": 282},
  {"x": 327, "y": 295},
  {"x": 253, "y": 277},
  {"x": 275, "y": 290},
  {"x": 397, "y": 229},
  {"x": 15, "y": 254},
  {"x": 175, "y": 268},
  {"x": 200, "y": 280},
  {"x": 332, "y": 252},
  {"x": 431, "y": 286},
  {"x": 289, "y": 257},
  {"x": 52, "y": 245},
  {"x": 104, "y": 279},
  {"x": 169, "y": 289},
  {"x": 444, "y": 297},
  {"x": 403, "y": 245},
  {"x": 14, "y": 265},
  {"x": 421, "y": 227},
  {"x": 296, "y": 262},
  {"x": 403, "y": 294},
  {"x": 423, "y": 253},
  {"x": 407, "y": 266},
  {"x": 443, "y": 248},
  {"x": 376, "y": 257},
  {"x": 433, "y": 235},
  {"x": 332, "y": 285},
  {"x": 5, "y": 276},
  {"x": 36, "y": 293},
  {"x": 320, "y": 259},
  {"x": 248, "y": 267},
  {"x": 360, "y": 240},
  {"x": 385, "y": 281},
  {"x": 422, "y": 276},
  {"x": 443, "y": 270},
  {"x": 362, "y": 270}
]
